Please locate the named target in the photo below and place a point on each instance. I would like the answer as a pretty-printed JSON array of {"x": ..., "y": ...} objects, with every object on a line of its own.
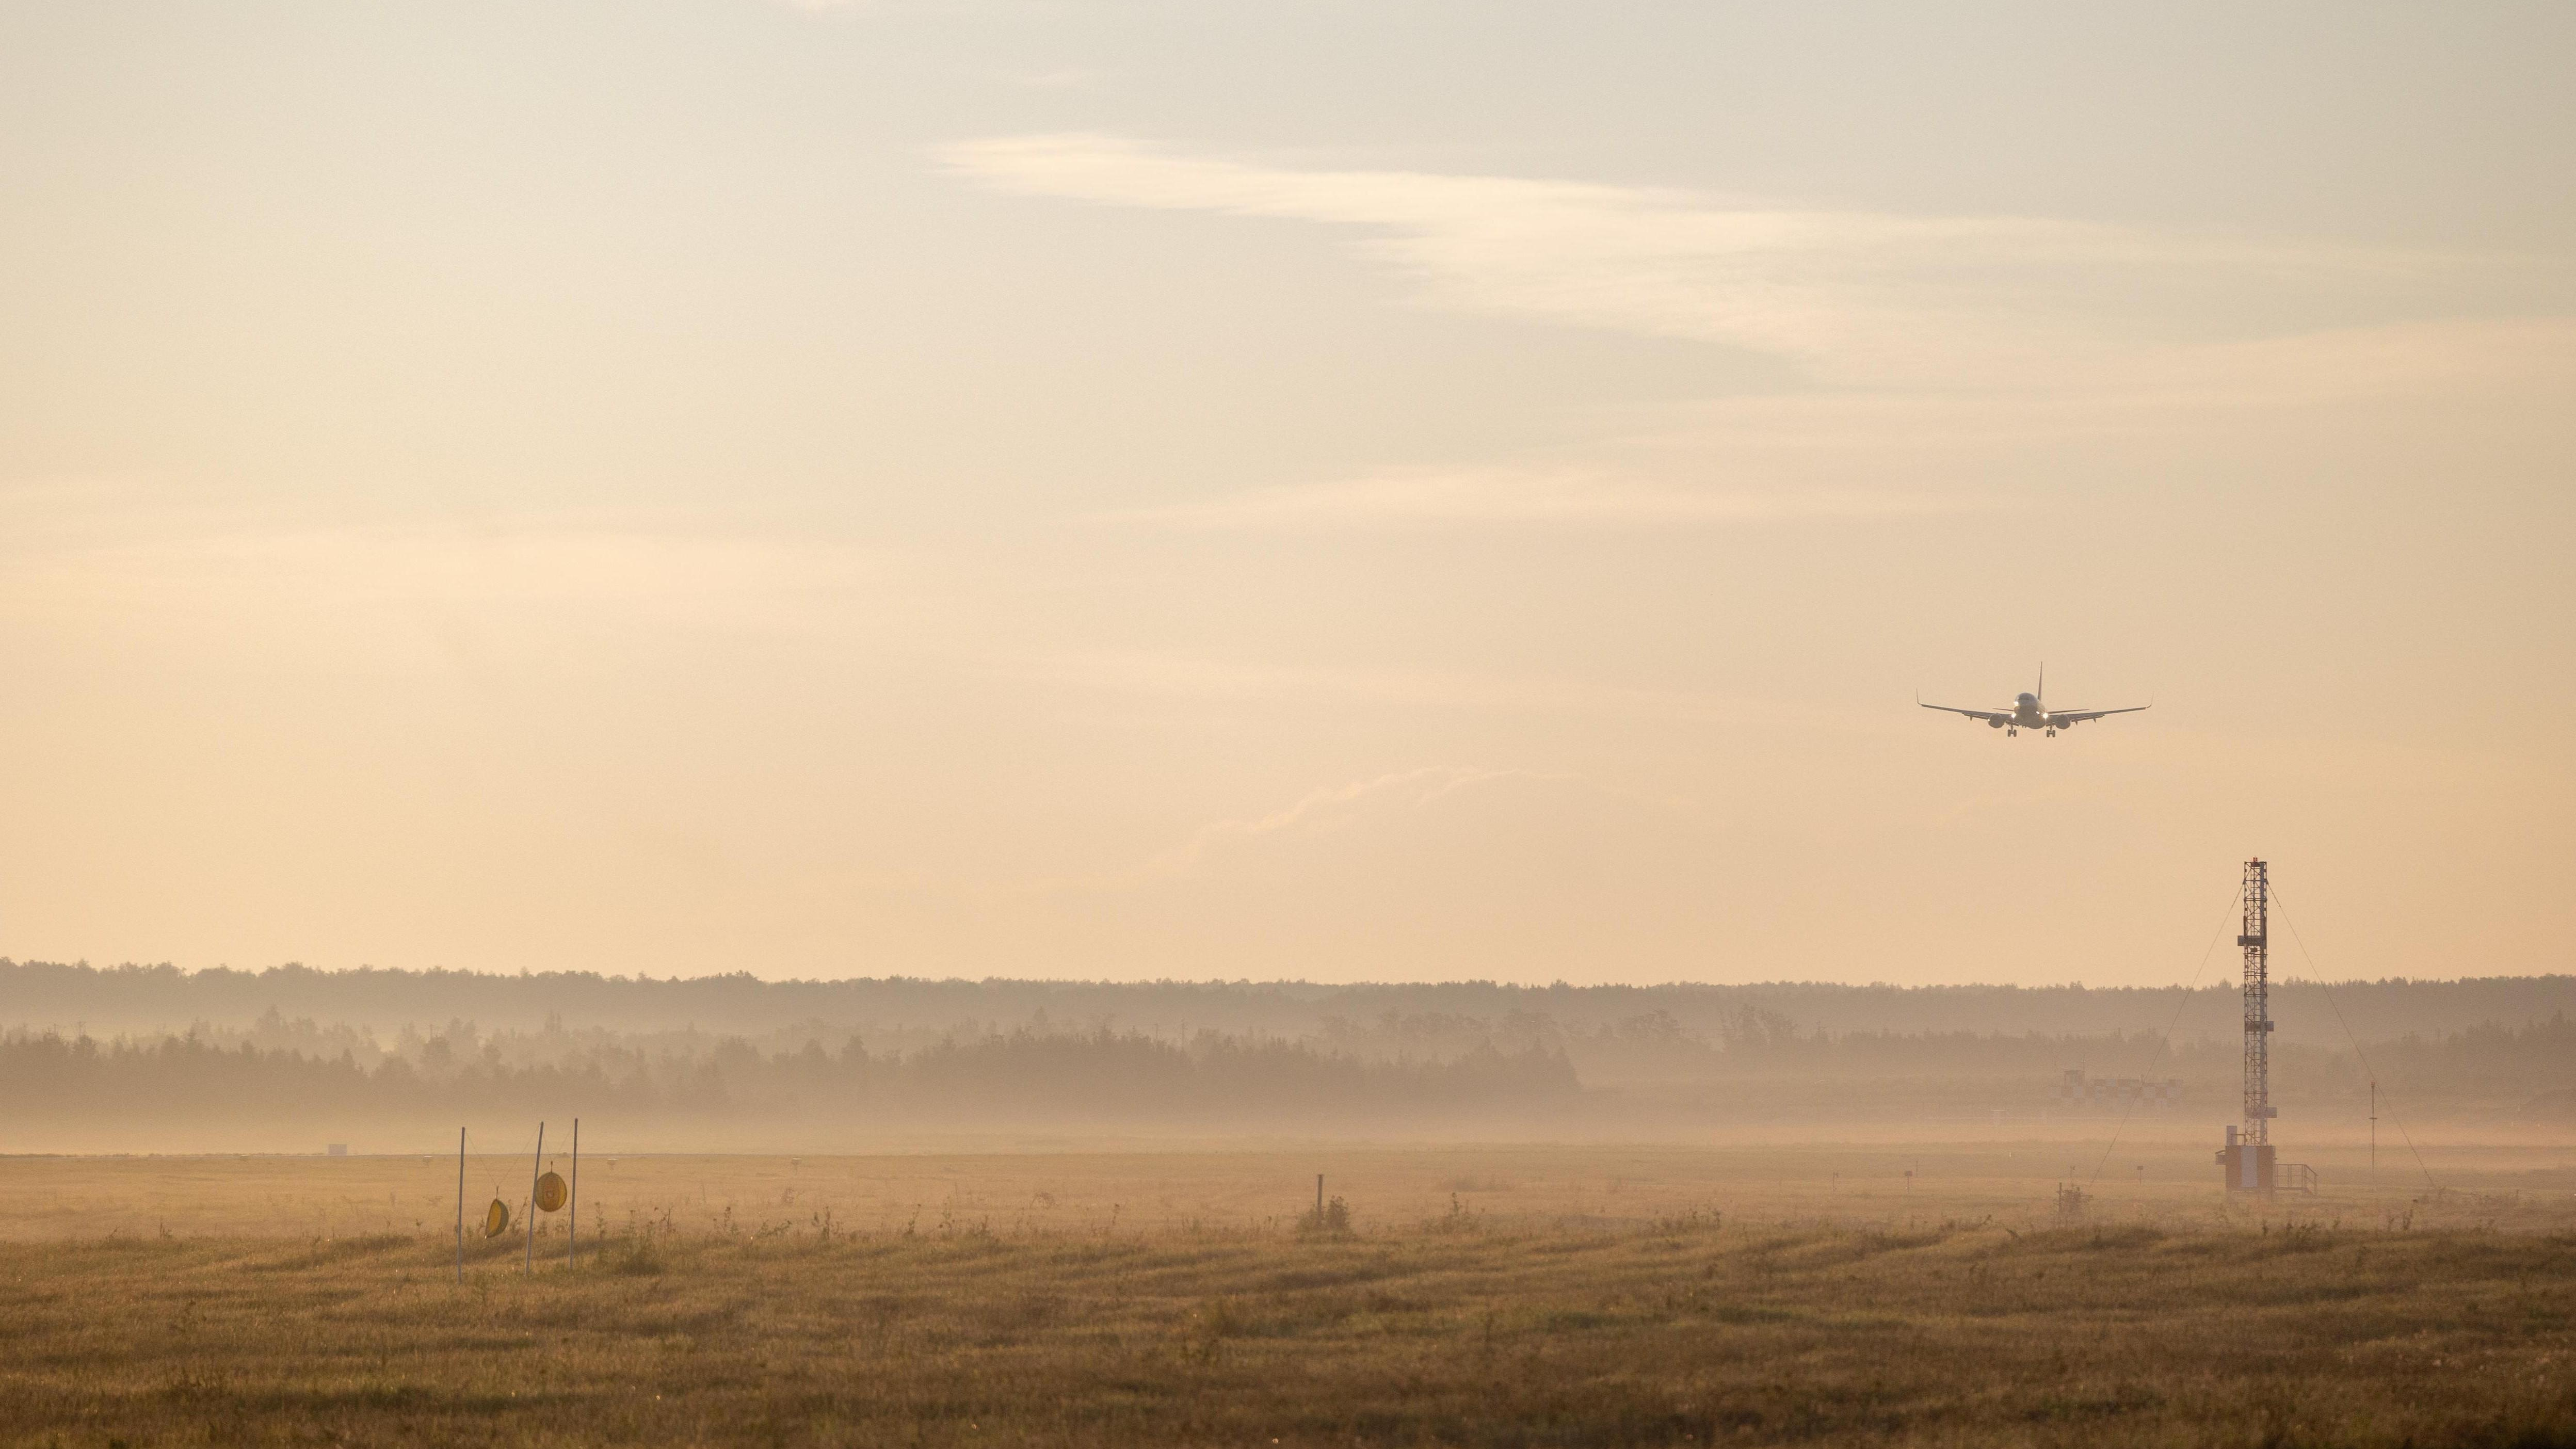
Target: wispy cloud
[
  {"x": 1935, "y": 360},
  {"x": 101, "y": 556},
  {"x": 1059, "y": 78},
  {"x": 1400, "y": 498},
  {"x": 1853, "y": 297},
  {"x": 1188, "y": 677},
  {"x": 1323, "y": 811}
]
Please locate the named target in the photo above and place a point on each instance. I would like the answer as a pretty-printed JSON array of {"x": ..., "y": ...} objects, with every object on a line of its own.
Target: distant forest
[
  {"x": 1091, "y": 1080},
  {"x": 135, "y": 1000},
  {"x": 131, "y": 1056}
]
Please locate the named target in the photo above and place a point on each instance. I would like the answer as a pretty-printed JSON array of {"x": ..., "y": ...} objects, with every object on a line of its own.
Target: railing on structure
[{"x": 2294, "y": 1177}]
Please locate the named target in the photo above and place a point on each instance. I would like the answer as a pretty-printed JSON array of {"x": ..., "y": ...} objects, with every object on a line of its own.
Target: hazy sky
[{"x": 1344, "y": 491}]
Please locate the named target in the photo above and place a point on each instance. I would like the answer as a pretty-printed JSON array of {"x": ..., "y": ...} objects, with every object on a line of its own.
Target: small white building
[{"x": 2075, "y": 1089}]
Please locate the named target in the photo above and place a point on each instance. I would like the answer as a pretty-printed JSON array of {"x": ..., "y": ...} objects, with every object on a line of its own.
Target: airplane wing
[
  {"x": 2059, "y": 717},
  {"x": 1988, "y": 715}
]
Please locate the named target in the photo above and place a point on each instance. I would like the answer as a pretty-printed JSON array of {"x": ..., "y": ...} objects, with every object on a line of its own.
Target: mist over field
[
  {"x": 1816, "y": 723},
  {"x": 156, "y": 1059}
]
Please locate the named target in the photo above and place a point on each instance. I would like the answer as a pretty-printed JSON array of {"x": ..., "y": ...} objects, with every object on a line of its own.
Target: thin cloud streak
[
  {"x": 1323, "y": 811},
  {"x": 1400, "y": 498},
  {"x": 166, "y": 574},
  {"x": 1853, "y": 297},
  {"x": 1936, "y": 350},
  {"x": 1199, "y": 678}
]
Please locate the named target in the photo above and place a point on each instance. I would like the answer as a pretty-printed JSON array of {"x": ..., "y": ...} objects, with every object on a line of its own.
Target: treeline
[
  {"x": 1644, "y": 1052},
  {"x": 1088, "y": 1080},
  {"x": 889, "y": 1057},
  {"x": 2490, "y": 1062},
  {"x": 1762, "y": 1069},
  {"x": 2488, "y": 1057},
  {"x": 1377, "y": 1020}
]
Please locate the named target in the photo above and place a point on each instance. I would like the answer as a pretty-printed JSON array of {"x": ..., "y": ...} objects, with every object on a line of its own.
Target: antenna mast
[
  {"x": 2258, "y": 1005},
  {"x": 2248, "y": 1157}
]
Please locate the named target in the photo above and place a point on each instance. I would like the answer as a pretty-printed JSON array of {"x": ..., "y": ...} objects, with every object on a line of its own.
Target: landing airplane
[{"x": 2030, "y": 712}]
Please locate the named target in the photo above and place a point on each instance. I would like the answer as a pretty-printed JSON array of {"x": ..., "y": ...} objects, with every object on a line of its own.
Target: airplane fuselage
[
  {"x": 2027, "y": 714},
  {"x": 2030, "y": 711}
]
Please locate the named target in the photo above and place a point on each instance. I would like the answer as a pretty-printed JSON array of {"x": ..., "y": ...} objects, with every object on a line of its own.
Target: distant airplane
[{"x": 2031, "y": 712}]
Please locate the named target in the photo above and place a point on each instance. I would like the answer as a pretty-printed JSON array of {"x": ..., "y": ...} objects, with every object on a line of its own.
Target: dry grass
[{"x": 1490, "y": 1296}]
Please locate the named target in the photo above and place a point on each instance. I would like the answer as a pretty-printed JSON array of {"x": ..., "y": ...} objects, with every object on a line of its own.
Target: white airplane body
[{"x": 2030, "y": 711}]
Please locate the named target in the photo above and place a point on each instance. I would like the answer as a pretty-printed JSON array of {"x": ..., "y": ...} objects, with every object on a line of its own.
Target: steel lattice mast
[{"x": 2258, "y": 1005}]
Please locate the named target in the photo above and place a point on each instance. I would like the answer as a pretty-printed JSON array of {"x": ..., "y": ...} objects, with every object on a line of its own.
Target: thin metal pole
[
  {"x": 534, "y": 1168},
  {"x": 460, "y": 1204},
  {"x": 572, "y": 1201},
  {"x": 1319, "y": 1199}
]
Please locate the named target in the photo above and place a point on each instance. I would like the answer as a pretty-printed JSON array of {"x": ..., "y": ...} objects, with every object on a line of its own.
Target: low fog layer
[
  {"x": 898, "y": 1010},
  {"x": 156, "y": 1059}
]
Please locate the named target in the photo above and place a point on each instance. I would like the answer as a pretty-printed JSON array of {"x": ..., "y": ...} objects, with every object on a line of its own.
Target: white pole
[
  {"x": 572, "y": 1201},
  {"x": 536, "y": 1166},
  {"x": 460, "y": 1204}
]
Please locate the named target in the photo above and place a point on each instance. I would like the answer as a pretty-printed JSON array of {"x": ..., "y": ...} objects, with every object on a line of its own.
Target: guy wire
[
  {"x": 2161, "y": 1037},
  {"x": 2317, "y": 975}
]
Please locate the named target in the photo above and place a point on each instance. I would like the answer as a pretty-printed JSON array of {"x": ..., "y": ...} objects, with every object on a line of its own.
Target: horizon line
[{"x": 646, "y": 979}]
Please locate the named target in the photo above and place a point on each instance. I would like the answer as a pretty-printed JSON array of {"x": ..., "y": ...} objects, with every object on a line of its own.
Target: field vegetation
[
  {"x": 1136, "y": 1248},
  {"x": 1520, "y": 1296}
]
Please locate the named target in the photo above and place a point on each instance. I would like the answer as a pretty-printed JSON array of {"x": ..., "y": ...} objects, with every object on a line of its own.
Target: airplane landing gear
[
  {"x": 2012, "y": 734},
  {"x": 2052, "y": 734}
]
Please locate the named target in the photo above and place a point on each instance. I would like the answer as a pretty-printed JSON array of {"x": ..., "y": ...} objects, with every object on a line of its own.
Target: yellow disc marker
[
  {"x": 496, "y": 1219},
  {"x": 550, "y": 1193}
]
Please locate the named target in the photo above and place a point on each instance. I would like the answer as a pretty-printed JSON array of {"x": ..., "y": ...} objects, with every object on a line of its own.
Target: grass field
[{"x": 1506, "y": 1296}]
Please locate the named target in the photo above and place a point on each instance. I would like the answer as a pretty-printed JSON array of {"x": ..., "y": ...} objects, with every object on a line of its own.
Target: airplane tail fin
[{"x": 2042, "y": 696}]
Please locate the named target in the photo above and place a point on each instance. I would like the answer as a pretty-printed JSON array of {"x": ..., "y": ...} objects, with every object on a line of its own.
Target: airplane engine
[{"x": 1994, "y": 724}]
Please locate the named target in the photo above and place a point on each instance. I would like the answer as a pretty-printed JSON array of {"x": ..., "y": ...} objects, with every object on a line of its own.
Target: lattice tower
[{"x": 2258, "y": 1004}]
